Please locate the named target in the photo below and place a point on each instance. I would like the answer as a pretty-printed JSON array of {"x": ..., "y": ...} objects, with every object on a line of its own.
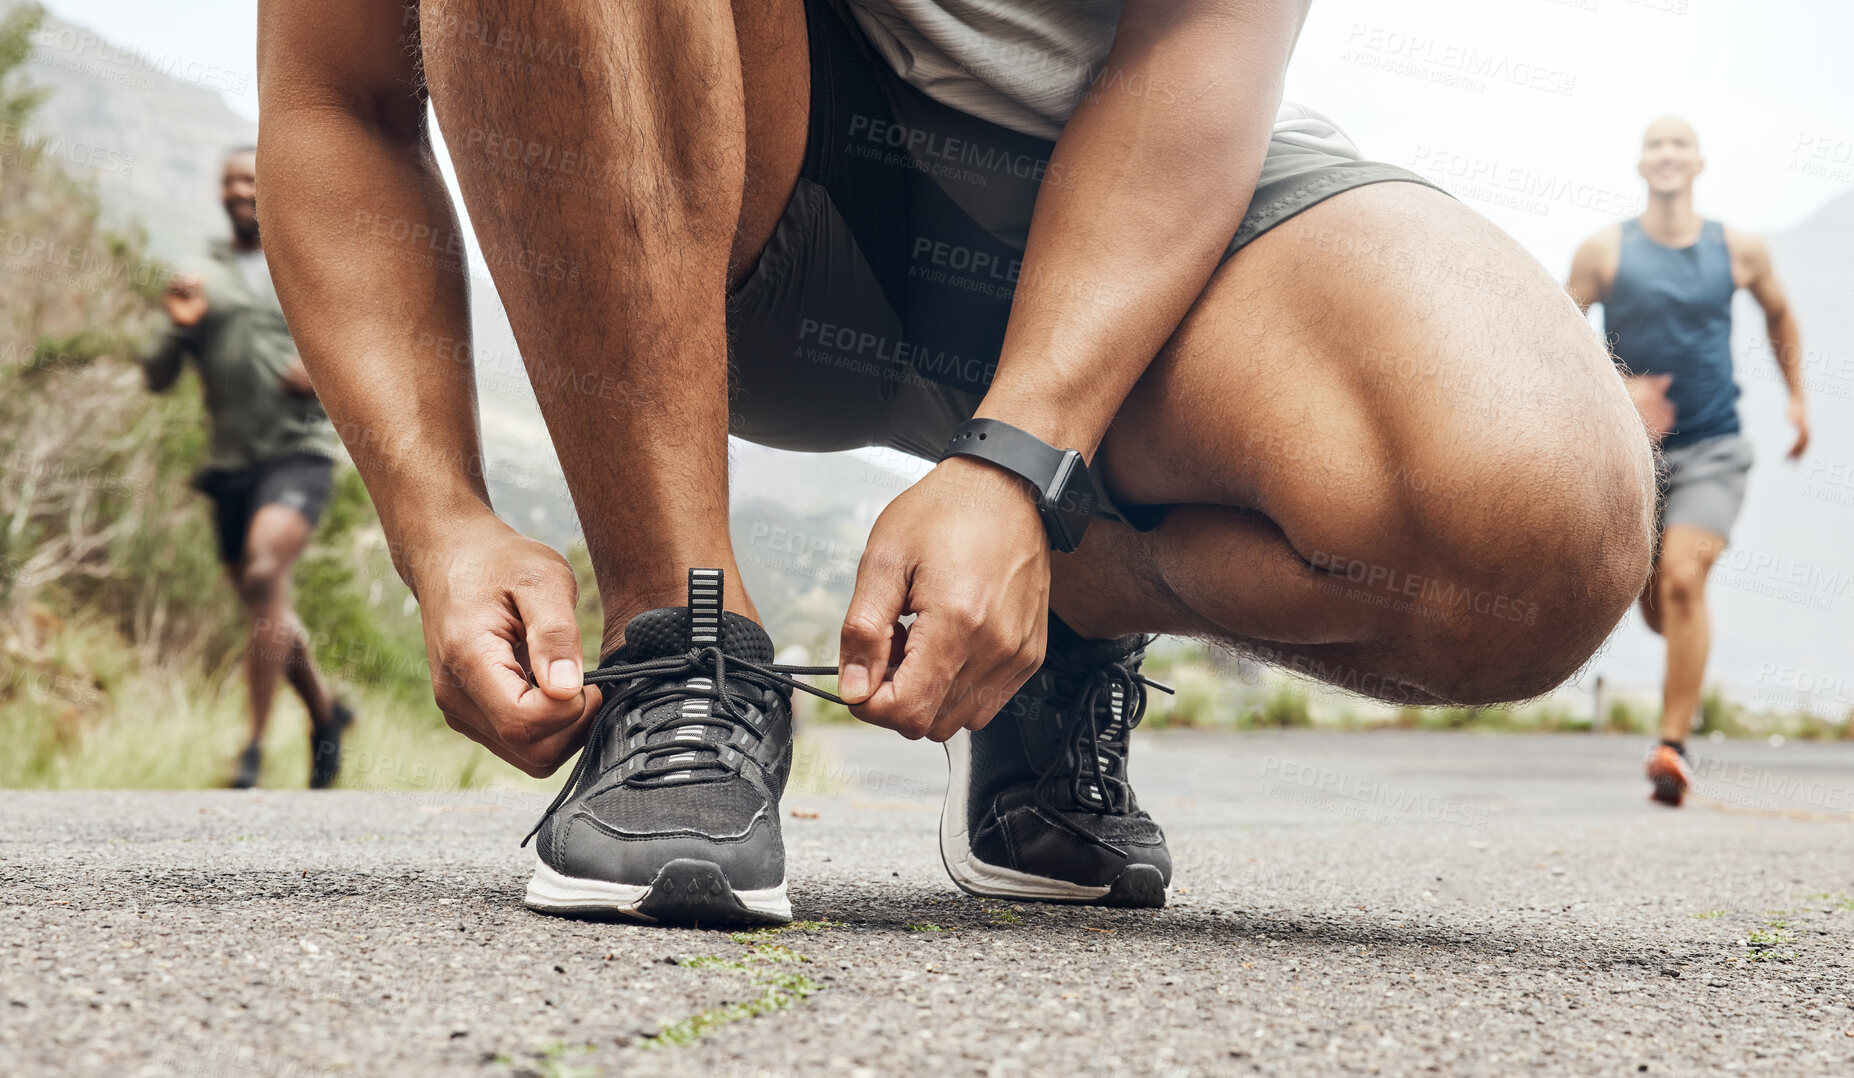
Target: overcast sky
[
  {"x": 1531, "y": 111},
  {"x": 1546, "y": 93}
]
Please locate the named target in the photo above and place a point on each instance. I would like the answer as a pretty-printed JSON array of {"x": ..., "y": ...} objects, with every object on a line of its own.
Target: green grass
[
  {"x": 1761, "y": 943},
  {"x": 766, "y": 965},
  {"x": 551, "y": 1062},
  {"x": 761, "y": 935},
  {"x": 93, "y": 720}
]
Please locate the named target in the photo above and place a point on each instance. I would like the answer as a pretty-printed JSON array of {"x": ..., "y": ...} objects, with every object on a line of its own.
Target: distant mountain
[{"x": 152, "y": 142}]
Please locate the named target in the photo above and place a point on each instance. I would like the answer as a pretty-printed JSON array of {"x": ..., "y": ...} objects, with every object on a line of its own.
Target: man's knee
[
  {"x": 1682, "y": 585},
  {"x": 1545, "y": 553},
  {"x": 261, "y": 581}
]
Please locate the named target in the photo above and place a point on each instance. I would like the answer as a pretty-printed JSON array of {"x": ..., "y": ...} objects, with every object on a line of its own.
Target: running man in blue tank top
[{"x": 1666, "y": 281}]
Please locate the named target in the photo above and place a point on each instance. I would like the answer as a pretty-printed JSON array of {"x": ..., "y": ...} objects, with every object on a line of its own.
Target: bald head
[{"x": 1670, "y": 156}]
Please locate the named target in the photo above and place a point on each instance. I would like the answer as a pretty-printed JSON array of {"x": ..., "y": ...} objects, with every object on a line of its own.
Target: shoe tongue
[{"x": 655, "y": 634}]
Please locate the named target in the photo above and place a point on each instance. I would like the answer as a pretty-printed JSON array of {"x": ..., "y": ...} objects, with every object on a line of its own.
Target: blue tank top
[{"x": 1670, "y": 312}]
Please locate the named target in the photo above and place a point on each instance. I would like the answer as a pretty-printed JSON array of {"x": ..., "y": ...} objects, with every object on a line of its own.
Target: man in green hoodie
[{"x": 270, "y": 460}]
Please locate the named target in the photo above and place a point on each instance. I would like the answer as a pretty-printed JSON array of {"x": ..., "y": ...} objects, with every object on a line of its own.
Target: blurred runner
[
  {"x": 1666, "y": 281},
  {"x": 270, "y": 459}
]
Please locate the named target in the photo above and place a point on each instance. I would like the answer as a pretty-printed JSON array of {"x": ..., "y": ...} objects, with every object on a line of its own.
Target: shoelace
[
  {"x": 1099, "y": 683},
  {"x": 671, "y": 677}
]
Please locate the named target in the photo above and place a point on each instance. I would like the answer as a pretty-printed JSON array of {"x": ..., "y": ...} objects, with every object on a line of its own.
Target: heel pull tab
[{"x": 705, "y": 586}]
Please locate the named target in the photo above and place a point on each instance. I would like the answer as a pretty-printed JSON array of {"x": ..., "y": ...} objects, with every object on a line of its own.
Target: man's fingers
[
  {"x": 552, "y": 636},
  {"x": 912, "y": 699},
  {"x": 539, "y": 759},
  {"x": 491, "y": 682},
  {"x": 543, "y": 757},
  {"x": 972, "y": 701},
  {"x": 869, "y": 629}
]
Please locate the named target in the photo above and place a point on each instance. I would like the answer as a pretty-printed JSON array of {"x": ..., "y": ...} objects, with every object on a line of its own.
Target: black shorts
[
  {"x": 877, "y": 310},
  {"x": 302, "y": 481}
]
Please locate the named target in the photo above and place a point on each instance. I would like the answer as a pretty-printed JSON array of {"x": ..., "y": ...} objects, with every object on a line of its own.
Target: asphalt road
[{"x": 1384, "y": 903}]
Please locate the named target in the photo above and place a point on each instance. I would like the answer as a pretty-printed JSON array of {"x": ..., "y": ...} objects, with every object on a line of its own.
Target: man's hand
[
  {"x": 185, "y": 300},
  {"x": 503, "y": 643},
  {"x": 295, "y": 379},
  {"x": 1799, "y": 418},
  {"x": 965, "y": 552},
  {"x": 1649, "y": 392}
]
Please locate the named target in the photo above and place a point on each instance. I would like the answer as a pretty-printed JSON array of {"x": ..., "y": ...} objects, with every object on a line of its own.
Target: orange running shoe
[{"x": 1671, "y": 776}]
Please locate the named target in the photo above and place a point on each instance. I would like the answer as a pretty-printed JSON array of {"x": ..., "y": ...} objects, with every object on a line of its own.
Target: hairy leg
[
  {"x": 1687, "y": 556},
  {"x": 689, "y": 118},
  {"x": 1398, "y": 460},
  {"x": 279, "y": 647}
]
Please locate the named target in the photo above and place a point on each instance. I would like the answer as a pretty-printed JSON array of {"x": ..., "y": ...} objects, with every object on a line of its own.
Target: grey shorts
[
  {"x": 1703, "y": 484},
  {"x": 877, "y": 310}
]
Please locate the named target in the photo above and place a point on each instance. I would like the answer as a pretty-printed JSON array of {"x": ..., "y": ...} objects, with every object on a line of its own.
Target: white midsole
[
  {"x": 550, "y": 890},
  {"x": 956, "y": 846}
]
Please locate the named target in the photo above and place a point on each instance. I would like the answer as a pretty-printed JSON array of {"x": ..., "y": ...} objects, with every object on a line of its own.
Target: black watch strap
[
  {"x": 1014, "y": 450},
  {"x": 1065, "y": 496}
]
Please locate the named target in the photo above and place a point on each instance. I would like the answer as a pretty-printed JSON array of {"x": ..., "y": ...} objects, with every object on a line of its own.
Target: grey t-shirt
[
  {"x": 1022, "y": 64},
  {"x": 254, "y": 269},
  {"x": 241, "y": 349}
]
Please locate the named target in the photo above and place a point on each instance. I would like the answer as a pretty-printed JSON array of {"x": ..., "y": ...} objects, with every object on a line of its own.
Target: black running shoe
[
  {"x": 250, "y": 762},
  {"x": 672, "y": 813},
  {"x": 1037, "y": 803},
  {"x": 325, "y": 747}
]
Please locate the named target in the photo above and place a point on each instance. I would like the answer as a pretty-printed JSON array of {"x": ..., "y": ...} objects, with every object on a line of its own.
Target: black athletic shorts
[
  {"x": 302, "y": 481},
  {"x": 876, "y": 313}
]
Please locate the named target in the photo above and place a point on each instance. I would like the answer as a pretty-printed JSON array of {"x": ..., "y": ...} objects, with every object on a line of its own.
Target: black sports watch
[{"x": 1065, "y": 494}]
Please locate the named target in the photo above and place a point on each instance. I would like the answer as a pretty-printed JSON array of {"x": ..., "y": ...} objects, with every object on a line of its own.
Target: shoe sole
[
  {"x": 1141, "y": 886},
  {"x": 1669, "y": 790},
  {"x": 1670, "y": 786},
  {"x": 686, "y": 891}
]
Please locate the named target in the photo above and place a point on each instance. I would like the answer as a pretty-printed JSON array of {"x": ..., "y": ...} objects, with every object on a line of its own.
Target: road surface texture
[{"x": 1378, "y": 903}]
